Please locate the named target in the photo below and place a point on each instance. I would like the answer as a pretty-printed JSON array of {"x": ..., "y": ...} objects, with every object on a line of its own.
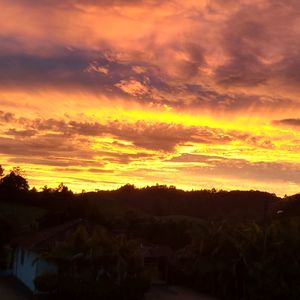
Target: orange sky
[{"x": 197, "y": 94}]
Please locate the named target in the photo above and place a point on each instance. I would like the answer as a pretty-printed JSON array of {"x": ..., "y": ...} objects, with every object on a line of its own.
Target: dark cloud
[
  {"x": 74, "y": 69},
  {"x": 75, "y": 3},
  {"x": 43, "y": 145},
  {"x": 240, "y": 169},
  {"x": 242, "y": 70},
  {"x": 205, "y": 97},
  {"x": 44, "y": 134},
  {"x": 251, "y": 44},
  {"x": 193, "y": 158},
  {"x": 244, "y": 39},
  {"x": 295, "y": 123},
  {"x": 98, "y": 170},
  {"x": 152, "y": 136},
  {"x": 21, "y": 133},
  {"x": 256, "y": 52},
  {"x": 124, "y": 158},
  {"x": 54, "y": 162},
  {"x": 66, "y": 70},
  {"x": 6, "y": 117},
  {"x": 287, "y": 71},
  {"x": 261, "y": 49},
  {"x": 68, "y": 169}
]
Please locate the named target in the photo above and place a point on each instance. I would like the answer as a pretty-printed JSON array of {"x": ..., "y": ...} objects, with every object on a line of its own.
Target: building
[{"x": 27, "y": 262}]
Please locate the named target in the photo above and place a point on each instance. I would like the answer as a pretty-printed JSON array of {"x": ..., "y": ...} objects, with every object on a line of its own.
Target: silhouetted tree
[
  {"x": 14, "y": 182},
  {"x": 127, "y": 188},
  {"x": 18, "y": 171},
  {"x": 62, "y": 188}
]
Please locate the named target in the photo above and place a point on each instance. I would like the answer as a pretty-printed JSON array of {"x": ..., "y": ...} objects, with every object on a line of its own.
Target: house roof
[
  {"x": 37, "y": 240},
  {"x": 41, "y": 240}
]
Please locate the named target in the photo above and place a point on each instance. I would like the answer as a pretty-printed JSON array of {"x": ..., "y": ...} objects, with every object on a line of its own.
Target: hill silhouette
[{"x": 158, "y": 200}]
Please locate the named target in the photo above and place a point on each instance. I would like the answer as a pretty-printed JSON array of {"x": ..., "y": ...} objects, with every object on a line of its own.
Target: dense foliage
[
  {"x": 244, "y": 261},
  {"x": 235, "y": 245},
  {"x": 5, "y": 234},
  {"x": 95, "y": 266}
]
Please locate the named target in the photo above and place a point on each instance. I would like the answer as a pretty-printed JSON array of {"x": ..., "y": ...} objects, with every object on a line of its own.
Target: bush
[{"x": 47, "y": 283}]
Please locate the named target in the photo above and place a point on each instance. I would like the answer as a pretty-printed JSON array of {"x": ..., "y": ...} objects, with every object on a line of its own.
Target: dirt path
[
  {"x": 12, "y": 290},
  {"x": 173, "y": 293}
]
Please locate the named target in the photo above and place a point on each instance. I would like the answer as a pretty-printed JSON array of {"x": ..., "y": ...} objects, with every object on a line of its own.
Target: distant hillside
[
  {"x": 291, "y": 205},
  {"x": 205, "y": 204},
  {"x": 156, "y": 200}
]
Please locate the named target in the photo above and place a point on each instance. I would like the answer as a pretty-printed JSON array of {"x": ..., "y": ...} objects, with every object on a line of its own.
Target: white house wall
[
  {"x": 31, "y": 268},
  {"x": 44, "y": 267},
  {"x": 25, "y": 272}
]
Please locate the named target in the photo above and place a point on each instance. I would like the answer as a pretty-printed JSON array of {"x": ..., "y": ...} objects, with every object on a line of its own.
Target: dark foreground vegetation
[{"x": 234, "y": 245}]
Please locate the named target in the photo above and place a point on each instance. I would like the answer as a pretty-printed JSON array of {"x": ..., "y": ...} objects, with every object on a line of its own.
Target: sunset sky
[{"x": 194, "y": 93}]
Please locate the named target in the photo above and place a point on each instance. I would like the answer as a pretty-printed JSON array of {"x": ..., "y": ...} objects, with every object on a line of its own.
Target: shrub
[{"x": 47, "y": 283}]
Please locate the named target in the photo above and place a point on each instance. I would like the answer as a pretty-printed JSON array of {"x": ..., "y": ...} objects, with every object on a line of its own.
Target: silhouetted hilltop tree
[
  {"x": 62, "y": 188},
  {"x": 290, "y": 206},
  {"x": 127, "y": 188},
  {"x": 14, "y": 182}
]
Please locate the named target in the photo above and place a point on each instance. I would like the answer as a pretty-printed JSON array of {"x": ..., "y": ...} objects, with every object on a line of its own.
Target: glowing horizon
[{"x": 200, "y": 94}]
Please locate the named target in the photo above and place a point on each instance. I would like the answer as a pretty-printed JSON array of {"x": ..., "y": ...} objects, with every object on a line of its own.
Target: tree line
[{"x": 234, "y": 245}]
